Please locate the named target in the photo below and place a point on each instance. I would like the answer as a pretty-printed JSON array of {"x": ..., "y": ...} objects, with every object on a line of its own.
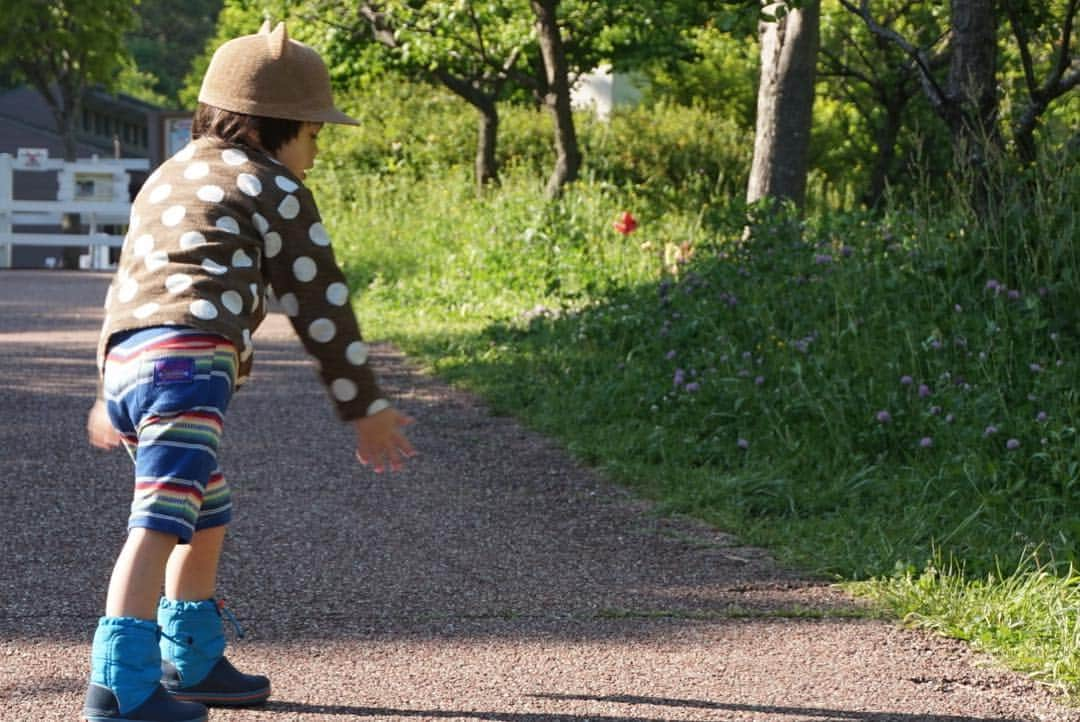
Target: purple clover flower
[
  {"x": 670, "y": 355},
  {"x": 883, "y": 417},
  {"x": 1041, "y": 417},
  {"x": 1014, "y": 295},
  {"x": 1035, "y": 368},
  {"x": 935, "y": 410},
  {"x": 949, "y": 418},
  {"x": 924, "y": 391},
  {"x": 679, "y": 378},
  {"x": 926, "y": 442},
  {"x": 906, "y": 380},
  {"x": 1012, "y": 444},
  {"x": 993, "y": 285},
  {"x": 822, "y": 259},
  {"x": 990, "y": 430},
  {"x": 759, "y": 380},
  {"x": 743, "y": 444},
  {"x": 693, "y": 387}
]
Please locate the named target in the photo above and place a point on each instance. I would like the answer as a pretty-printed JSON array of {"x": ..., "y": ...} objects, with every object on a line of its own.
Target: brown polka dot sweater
[{"x": 213, "y": 232}]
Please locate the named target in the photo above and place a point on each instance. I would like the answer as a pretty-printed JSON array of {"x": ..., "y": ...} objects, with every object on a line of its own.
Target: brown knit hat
[{"x": 268, "y": 74}]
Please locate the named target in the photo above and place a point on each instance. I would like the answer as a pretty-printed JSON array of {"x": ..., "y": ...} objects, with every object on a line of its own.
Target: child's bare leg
[
  {"x": 191, "y": 574},
  {"x": 138, "y": 574}
]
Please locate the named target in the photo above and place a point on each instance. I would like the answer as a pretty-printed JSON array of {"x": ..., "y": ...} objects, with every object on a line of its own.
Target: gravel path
[{"x": 492, "y": 580}]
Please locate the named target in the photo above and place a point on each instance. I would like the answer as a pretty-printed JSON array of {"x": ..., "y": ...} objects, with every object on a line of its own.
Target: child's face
[{"x": 299, "y": 153}]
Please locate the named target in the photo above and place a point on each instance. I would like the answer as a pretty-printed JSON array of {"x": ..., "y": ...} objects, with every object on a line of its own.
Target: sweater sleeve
[{"x": 299, "y": 264}]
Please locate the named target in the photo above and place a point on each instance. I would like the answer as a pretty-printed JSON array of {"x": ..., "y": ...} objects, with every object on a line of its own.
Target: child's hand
[
  {"x": 100, "y": 429},
  {"x": 380, "y": 440}
]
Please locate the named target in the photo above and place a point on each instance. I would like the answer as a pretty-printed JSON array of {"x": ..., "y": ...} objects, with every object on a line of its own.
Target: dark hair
[{"x": 243, "y": 129}]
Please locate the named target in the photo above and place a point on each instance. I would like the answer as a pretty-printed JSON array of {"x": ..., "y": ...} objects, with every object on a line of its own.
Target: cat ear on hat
[{"x": 278, "y": 41}]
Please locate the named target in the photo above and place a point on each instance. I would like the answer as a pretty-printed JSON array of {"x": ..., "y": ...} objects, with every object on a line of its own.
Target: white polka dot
[
  {"x": 196, "y": 171},
  {"x": 241, "y": 259},
  {"x": 210, "y": 194},
  {"x": 273, "y": 244},
  {"x": 156, "y": 260},
  {"x": 146, "y": 310},
  {"x": 343, "y": 389},
  {"x": 249, "y": 184},
  {"x": 337, "y": 294},
  {"x": 232, "y": 156},
  {"x": 290, "y": 305},
  {"x": 178, "y": 282},
  {"x": 318, "y": 235},
  {"x": 133, "y": 223},
  {"x": 160, "y": 193},
  {"x": 153, "y": 177},
  {"x": 285, "y": 184},
  {"x": 322, "y": 330},
  {"x": 232, "y": 301},
  {"x": 289, "y": 207},
  {"x": 143, "y": 245},
  {"x": 203, "y": 309},
  {"x": 191, "y": 239},
  {"x": 173, "y": 215},
  {"x": 357, "y": 353},
  {"x": 213, "y": 267},
  {"x": 254, "y": 296},
  {"x": 228, "y": 224},
  {"x": 261, "y": 224},
  {"x": 304, "y": 269},
  {"x": 186, "y": 154},
  {"x": 248, "y": 348},
  {"x": 127, "y": 290}
]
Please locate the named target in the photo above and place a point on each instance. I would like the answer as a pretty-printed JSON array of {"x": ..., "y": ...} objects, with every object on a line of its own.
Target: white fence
[{"x": 97, "y": 189}]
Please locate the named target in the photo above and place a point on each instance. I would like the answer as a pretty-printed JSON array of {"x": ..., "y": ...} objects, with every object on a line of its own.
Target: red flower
[{"x": 626, "y": 224}]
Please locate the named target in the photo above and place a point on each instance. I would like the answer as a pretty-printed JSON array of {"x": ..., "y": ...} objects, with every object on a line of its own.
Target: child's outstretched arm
[{"x": 380, "y": 442}]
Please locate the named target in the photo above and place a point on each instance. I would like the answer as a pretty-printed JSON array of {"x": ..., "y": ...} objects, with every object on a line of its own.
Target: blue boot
[
  {"x": 194, "y": 667},
  {"x": 125, "y": 668}
]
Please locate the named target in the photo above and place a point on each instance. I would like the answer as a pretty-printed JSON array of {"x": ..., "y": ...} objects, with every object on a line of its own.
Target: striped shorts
[{"x": 166, "y": 390}]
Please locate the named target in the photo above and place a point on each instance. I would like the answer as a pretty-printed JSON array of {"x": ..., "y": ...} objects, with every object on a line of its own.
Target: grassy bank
[{"x": 887, "y": 398}]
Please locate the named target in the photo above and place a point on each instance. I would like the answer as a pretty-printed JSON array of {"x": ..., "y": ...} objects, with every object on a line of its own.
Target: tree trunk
[
  {"x": 785, "y": 104},
  {"x": 557, "y": 98},
  {"x": 486, "y": 164},
  {"x": 887, "y": 135},
  {"x": 972, "y": 86}
]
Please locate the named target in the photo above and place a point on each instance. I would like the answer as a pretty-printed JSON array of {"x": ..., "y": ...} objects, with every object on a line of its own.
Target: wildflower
[
  {"x": 1035, "y": 368},
  {"x": 884, "y": 417},
  {"x": 926, "y": 442},
  {"x": 1041, "y": 417},
  {"x": 924, "y": 391},
  {"x": 990, "y": 430},
  {"x": 626, "y": 224},
  {"x": 935, "y": 344},
  {"x": 743, "y": 444},
  {"x": 935, "y": 410},
  {"x": 679, "y": 378},
  {"x": 758, "y": 381},
  {"x": 822, "y": 259},
  {"x": 693, "y": 387},
  {"x": 846, "y": 251},
  {"x": 993, "y": 285},
  {"x": 958, "y": 308},
  {"x": 906, "y": 380},
  {"x": 949, "y": 418},
  {"x": 670, "y": 355},
  {"x": 1014, "y": 295},
  {"x": 1012, "y": 444}
]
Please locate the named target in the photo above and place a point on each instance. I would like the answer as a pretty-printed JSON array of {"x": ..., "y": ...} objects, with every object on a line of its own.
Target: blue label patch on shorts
[{"x": 174, "y": 370}]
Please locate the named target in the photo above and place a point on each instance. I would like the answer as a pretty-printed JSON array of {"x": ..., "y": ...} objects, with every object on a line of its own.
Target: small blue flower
[
  {"x": 990, "y": 430},
  {"x": 926, "y": 442},
  {"x": 743, "y": 444},
  {"x": 1012, "y": 444},
  {"x": 884, "y": 417},
  {"x": 906, "y": 380}
]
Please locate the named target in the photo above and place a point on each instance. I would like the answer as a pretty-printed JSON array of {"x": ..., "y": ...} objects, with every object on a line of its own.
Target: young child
[{"x": 215, "y": 230}]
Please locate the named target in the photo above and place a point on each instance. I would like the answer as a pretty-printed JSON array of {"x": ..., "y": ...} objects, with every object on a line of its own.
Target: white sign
[{"x": 31, "y": 158}]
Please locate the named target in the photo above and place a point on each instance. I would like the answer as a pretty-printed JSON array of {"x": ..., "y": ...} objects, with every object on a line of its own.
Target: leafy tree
[
  {"x": 62, "y": 47},
  {"x": 167, "y": 38}
]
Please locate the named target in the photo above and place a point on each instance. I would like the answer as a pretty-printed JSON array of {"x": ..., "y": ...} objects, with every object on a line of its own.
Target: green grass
[{"x": 861, "y": 394}]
